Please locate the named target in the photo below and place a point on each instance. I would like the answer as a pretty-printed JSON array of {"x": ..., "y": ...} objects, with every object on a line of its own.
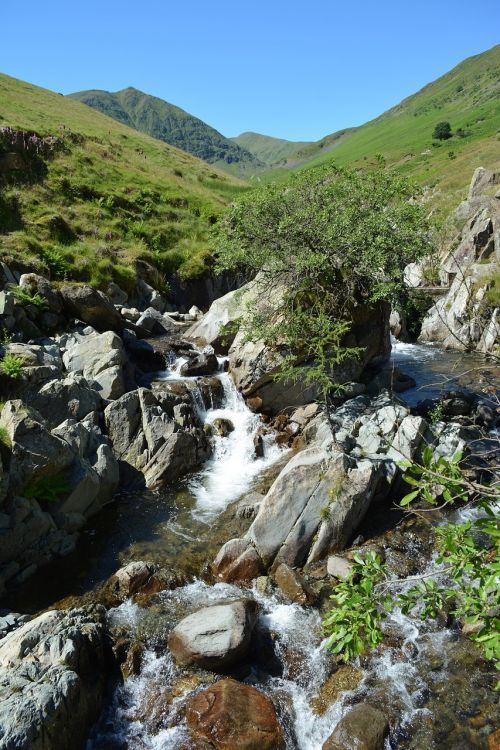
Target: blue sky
[{"x": 297, "y": 70}]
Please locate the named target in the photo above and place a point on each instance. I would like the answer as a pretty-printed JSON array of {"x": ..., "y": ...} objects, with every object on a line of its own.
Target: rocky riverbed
[{"x": 173, "y": 521}]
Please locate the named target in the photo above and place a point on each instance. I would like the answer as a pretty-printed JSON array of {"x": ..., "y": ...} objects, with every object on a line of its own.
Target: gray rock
[
  {"x": 218, "y": 326},
  {"x": 100, "y": 358},
  {"x": 71, "y": 398},
  {"x": 362, "y": 728},
  {"x": 215, "y": 637},
  {"x": 92, "y": 307},
  {"x": 157, "y": 324},
  {"x": 52, "y": 680},
  {"x": 338, "y": 567},
  {"x": 35, "y": 284}
]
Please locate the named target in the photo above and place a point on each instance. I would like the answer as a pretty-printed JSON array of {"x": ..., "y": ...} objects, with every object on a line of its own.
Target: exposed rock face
[
  {"x": 215, "y": 637},
  {"x": 218, "y": 326},
  {"x": 363, "y": 728},
  {"x": 52, "y": 679},
  {"x": 100, "y": 358},
  {"x": 156, "y": 433},
  {"x": 233, "y": 716},
  {"x": 70, "y": 398},
  {"x": 238, "y": 560},
  {"x": 92, "y": 307},
  {"x": 464, "y": 318}
]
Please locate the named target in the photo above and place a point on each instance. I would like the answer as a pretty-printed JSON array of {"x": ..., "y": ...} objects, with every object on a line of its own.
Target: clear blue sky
[{"x": 298, "y": 70}]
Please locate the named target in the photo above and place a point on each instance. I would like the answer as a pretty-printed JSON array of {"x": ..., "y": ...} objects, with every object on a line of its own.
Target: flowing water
[{"x": 428, "y": 680}]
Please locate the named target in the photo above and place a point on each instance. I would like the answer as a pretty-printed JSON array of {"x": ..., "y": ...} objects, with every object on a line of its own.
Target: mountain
[
  {"x": 468, "y": 97},
  {"x": 84, "y": 196},
  {"x": 173, "y": 125},
  {"x": 268, "y": 149}
]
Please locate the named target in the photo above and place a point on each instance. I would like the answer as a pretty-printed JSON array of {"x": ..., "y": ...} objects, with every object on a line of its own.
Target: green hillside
[
  {"x": 468, "y": 97},
  {"x": 84, "y": 196},
  {"x": 268, "y": 149},
  {"x": 173, "y": 125}
]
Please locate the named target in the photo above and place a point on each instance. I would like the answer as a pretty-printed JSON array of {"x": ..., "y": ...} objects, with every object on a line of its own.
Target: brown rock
[
  {"x": 233, "y": 716},
  {"x": 91, "y": 306},
  {"x": 345, "y": 678},
  {"x": 363, "y": 728},
  {"x": 292, "y": 584},
  {"x": 494, "y": 740},
  {"x": 132, "y": 664},
  {"x": 254, "y": 403},
  {"x": 238, "y": 560}
]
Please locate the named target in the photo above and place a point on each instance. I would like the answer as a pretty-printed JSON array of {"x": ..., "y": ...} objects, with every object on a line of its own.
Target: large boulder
[
  {"x": 362, "y": 728},
  {"x": 215, "y": 637},
  {"x": 232, "y": 716},
  {"x": 52, "y": 680},
  {"x": 100, "y": 358},
  {"x": 156, "y": 433},
  {"x": 92, "y": 307},
  {"x": 254, "y": 366},
  {"x": 34, "y": 451},
  {"x": 70, "y": 398},
  {"x": 34, "y": 284}
]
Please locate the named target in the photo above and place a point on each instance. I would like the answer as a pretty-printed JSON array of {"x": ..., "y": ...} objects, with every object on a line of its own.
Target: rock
[
  {"x": 292, "y": 585},
  {"x": 130, "y": 579},
  {"x": 343, "y": 679},
  {"x": 35, "y": 453},
  {"x": 414, "y": 275},
  {"x": 481, "y": 179},
  {"x": 222, "y": 427},
  {"x": 232, "y": 716},
  {"x": 338, "y": 567},
  {"x": 362, "y": 728},
  {"x": 117, "y": 295},
  {"x": 155, "y": 323},
  {"x": 71, "y": 398},
  {"x": 52, "y": 680},
  {"x": 150, "y": 297},
  {"x": 92, "y": 307},
  {"x": 219, "y": 325},
  {"x": 215, "y": 637},
  {"x": 143, "y": 354},
  {"x": 100, "y": 358},
  {"x": 408, "y": 439},
  {"x": 238, "y": 560},
  {"x": 203, "y": 364}
]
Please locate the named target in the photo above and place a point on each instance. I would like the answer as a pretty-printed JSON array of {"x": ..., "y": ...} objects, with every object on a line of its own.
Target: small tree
[
  {"x": 322, "y": 243},
  {"x": 442, "y": 131}
]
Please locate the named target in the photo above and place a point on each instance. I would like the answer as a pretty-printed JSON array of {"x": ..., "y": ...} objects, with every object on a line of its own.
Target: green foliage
[
  {"x": 322, "y": 244},
  {"x": 56, "y": 262},
  {"x": 28, "y": 298},
  {"x": 435, "y": 479},
  {"x": 442, "y": 131},
  {"x": 48, "y": 489},
  {"x": 436, "y": 413},
  {"x": 354, "y": 623},
  {"x": 5, "y": 437},
  {"x": 12, "y": 365}
]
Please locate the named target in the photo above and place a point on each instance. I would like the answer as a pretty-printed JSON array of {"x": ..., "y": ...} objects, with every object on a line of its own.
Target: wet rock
[
  {"x": 249, "y": 506},
  {"x": 131, "y": 578},
  {"x": 215, "y": 637},
  {"x": 222, "y": 427},
  {"x": 203, "y": 364},
  {"x": 237, "y": 560},
  {"x": 343, "y": 679},
  {"x": 362, "y": 728},
  {"x": 132, "y": 663},
  {"x": 258, "y": 443},
  {"x": 233, "y": 716},
  {"x": 52, "y": 679},
  {"x": 292, "y": 585},
  {"x": 92, "y": 307}
]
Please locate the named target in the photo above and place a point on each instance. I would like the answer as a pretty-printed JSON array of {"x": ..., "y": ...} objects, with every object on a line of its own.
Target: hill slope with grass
[
  {"x": 86, "y": 197},
  {"x": 468, "y": 97},
  {"x": 172, "y": 125},
  {"x": 268, "y": 149}
]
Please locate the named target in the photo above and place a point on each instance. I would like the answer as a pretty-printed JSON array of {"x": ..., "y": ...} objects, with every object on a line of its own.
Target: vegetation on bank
[
  {"x": 464, "y": 584},
  {"x": 83, "y": 197},
  {"x": 325, "y": 243}
]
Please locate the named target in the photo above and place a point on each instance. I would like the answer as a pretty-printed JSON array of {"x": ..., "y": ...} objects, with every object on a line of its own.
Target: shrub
[
  {"x": 47, "y": 489},
  {"x": 27, "y": 298},
  {"x": 442, "y": 131},
  {"x": 56, "y": 262},
  {"x": 12, "y": 365}
]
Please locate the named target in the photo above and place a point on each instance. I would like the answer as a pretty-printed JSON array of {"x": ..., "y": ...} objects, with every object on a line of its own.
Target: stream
[{"x": 429, "y": 681}]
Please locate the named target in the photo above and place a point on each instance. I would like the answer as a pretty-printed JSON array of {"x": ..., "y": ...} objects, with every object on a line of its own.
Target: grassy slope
[
  {"x": 268, "y": 149},
  {"x": 122, "y": 194},
  {"x": 468, "y": 97},
  {"x": 172, "y": 125}
]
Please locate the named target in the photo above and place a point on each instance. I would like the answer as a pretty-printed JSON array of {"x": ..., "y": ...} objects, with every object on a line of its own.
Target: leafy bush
[
  {"x": 56, "y": 262},
  {"x": 442, "y": 131},
  {"x": 27, "y": 298},
  {"x": 12, "y": 365}
]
